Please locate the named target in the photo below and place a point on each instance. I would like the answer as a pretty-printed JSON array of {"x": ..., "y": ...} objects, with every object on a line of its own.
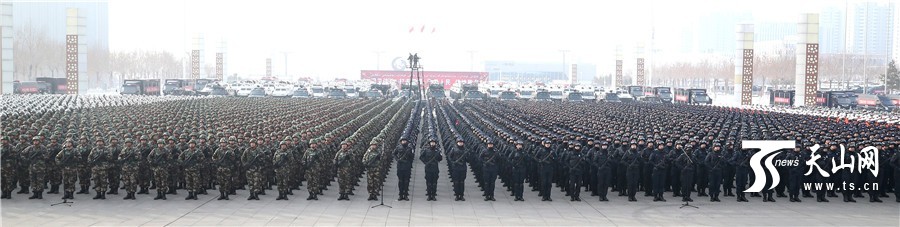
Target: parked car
[
  {"x": 257, "y": 93},
  {"x": 542, "y": 96},
  {"x": 244, "y": 91},
  {"x": 574, "y": 97},
  {"x": 301, "y": 93},
  {"x": 281, "y": 92},
  {"x": 507, "y": 95},
  {"x": 337, "y": 94}
]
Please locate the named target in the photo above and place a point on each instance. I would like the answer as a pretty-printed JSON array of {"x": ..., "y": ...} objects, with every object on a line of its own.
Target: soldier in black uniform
[
  {"x": 489, "y": 160},
  {"x": 544, "y": 157},
  {"x": 741, "y": 161},
  {"x": 405, "y": 156},
  {"x": 431, "y": 156},
  {"x": 457, "y": 159},
  {"x": 576, "y": 162},
  {"x": 659, "y": 166},
  {"x": 632, "y": 162},
  {"x": 685, "y": 164},
  {"x": 604, "y": 177},
  {"x": 517, "y": 161},
  {"x": 795, "y": 173},
  {"x": 714, "y": 162}
]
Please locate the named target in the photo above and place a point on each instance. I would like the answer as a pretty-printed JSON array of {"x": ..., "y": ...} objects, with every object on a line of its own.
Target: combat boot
[
  {"x": 143, "y": 191},
  {"x": 158, "y": 195},
  {"x": 312, "y": 196},
  {"x": 162, "y": 195},
  {"x": 831, "y": 194},
  {"x": 84, "y": 190},
  {"x": 874, "y": 199},
  {"x": 102, "y": 195},
  {"x": 34, "y": 195},
  {"x": 113, "y": 190},
  {"x": 372, "y": 197},
  {"x": 24, "y": 190},
  {"x": 656, "y": 199},
  {"x": 4, "y": 195},
  {"x": 172, "y": 191},
  {"x": 54, "y": 189},
  {"x": 128, "y": 196},
  {"x": 261, "y": 192},
  {"x": 280, "y": 195},
  {"x": 221, "y": 195},
  {"x": 285, "y": 197},
  {"x": 202, "y": 192},
  {"x": 289, "y": 192},
  {"x": 519, "y": 198},
  {"x": 663, "y": 199},
  {"x": 97, "y": 196},
  {"x": 632, "y": 199},
  {"x": 602, "y": 199},
  {"x": 807, "y": 194}
]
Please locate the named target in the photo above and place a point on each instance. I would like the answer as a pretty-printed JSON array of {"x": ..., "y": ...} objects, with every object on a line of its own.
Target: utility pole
[
  {"x": 378, "y": 59},
  {"x": 285, "y": 63},
  {"x": 565, "y": 72}
]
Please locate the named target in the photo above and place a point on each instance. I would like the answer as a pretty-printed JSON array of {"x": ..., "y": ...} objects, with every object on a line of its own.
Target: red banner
[{"x": 447, "y": 78}]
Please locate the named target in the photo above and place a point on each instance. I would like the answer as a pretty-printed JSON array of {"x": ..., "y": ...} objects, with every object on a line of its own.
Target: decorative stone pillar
[
  {"x": 618, "y": 79},
  {"x": 639, "y": 78},
  {"x": 76, "y": 53},
  {"x": 743, "y": 64},
  {"x": 574, "y": 74},
  {"x": 806, "y": 80},
  {"x": 269, "y": 67},
  {"x": 197, "y": 57}
]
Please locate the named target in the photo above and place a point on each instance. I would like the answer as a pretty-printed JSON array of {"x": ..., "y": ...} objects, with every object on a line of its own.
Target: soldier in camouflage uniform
[
  {"x": 144, "y": 172},
  {"x": 343, "y": 163},
  {"x": 37, "y": 156},
  {"x": 252, "y": 159},
  {"x": 114, "y": 170},
  {"x": 310, "y": 160},
  {"x": 191, "y": 159},
  {"x": 54, "y": 175},
  {"x": 8, "y": 159},
  {"x": 84, "y": 168},
  {"x": 69, "y": 160},
  {"x": 130, "y": 158},
  {"x": 22, "y": 165},
  {"x": 100, "y": 159},
  {"x": 158, "y": 161},
  {"x": 283, "y": 157},
  {"x": 224, "y": 159},
  {"x": 372, "y": 161}
]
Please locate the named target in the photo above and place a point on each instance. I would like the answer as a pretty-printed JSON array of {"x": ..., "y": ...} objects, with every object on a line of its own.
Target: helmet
[
  {"x": 252, "y": 141},
  {"x": 160, "y": 141},
  {"x": 128, "y": 140},
  {"x": 193, "y": 141},
  {"x": 223, "y": 140}
]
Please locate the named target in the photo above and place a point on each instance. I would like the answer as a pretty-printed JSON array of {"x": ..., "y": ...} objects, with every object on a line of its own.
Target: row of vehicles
[
  {"x": 41, "y": 85},
  {"x": 582, "y": 94},
  {"x": 840, "y": 99}
]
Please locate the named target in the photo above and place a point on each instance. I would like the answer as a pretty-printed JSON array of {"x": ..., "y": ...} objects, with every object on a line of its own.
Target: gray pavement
[{"x": 445, "y": 212}]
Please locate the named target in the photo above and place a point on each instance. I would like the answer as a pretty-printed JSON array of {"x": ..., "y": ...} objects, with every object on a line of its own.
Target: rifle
[{"x": 189, "y": 160}]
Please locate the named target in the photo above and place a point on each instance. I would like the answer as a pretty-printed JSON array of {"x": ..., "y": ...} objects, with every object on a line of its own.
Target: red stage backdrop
[{"x": 447, "y": 78}]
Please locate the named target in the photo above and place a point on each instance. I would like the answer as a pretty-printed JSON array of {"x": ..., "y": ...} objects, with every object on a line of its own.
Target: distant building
[
  {"x": 50, "y": 18},
  {"x": 871, "y": 30}
]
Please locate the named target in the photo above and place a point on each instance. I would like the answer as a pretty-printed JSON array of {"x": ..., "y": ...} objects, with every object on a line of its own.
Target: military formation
[{"x": 135, "y": 145}]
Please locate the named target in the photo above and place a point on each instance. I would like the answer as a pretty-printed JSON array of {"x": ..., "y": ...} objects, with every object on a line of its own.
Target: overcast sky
[{"x": 337, "y": 38}]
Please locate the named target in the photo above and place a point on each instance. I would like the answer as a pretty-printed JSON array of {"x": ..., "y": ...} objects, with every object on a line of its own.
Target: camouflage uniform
[
  {"x": 310, "y": 160},
  {"x": 8, "y": 159},
  {"x": 37, "y": 157},
  {"x": 54, "y": 174},
  {"x": 22, "y": 165},
  {"x": 343, "y": 162},
  {"x": 158, "y": 160},
  {"x": 114, "y": 170},
  {"x": 69, "y": 160},
  {"x": 252, "y": 159},
  {"x": 100, "y": 158},
  {"x": 191, "y": 160},
  {"x": 145, "y": 175},
  {"x": 372, "y": 161},
  {"x": 282, "y": 160},
  {"x": 84, "y": 169},
  {"x": 224, "y": 158},
  {"x": 130, "y": 159}
]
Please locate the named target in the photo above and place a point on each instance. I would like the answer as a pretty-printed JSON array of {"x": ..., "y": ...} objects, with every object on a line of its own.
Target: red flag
[
  {"x": 423, "y": 29},
  {"x": 411, "y": 28}
]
